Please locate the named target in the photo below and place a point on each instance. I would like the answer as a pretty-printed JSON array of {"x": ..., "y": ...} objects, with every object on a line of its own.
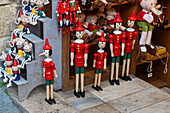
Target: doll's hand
[
  {"x": 112, "y": 55},
  {"x": 94, "y": 66},
  {"x": 13, "y": 78},
  {"x": 122, "y": 54},
  {"x": 71, "y": 63},
  {"x": 104, "y": 67},
  {"x": 44, "y": 75},
  {"x": 85, "y": 64}
]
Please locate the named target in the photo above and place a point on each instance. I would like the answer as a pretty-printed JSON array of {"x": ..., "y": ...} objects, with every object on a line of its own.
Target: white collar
[
  {"x": 130, "y": 29},
  {"x": 145, "y": 10},
  {"x": 48, "y": 59},
  {"x": 100, "y": 51},
  {"x": 117, "y": 32},
  {"x": 79, "y": 41}
]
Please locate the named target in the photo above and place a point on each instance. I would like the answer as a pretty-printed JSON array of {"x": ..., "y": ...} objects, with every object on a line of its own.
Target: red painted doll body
[
  {"x": 131, "y": 35},
  {"x": 116, "y": 39},
  {"x": 99, "y": 57},
  {"x": 79, "y": 57},
  {"x": 49, "y": 67}
]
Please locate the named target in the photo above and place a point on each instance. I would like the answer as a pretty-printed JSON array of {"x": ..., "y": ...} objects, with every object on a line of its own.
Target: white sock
[
  {"x": 149, "y": 36},
  {"x": 143, "y": 38}
]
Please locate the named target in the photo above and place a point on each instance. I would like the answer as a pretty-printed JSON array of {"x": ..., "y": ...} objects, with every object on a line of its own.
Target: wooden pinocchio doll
[
  {"x": 80, "y": 59},
  {"x": 129, "y": 45},
  {"x": 9, "y": 64},
  {"x": 98, "y": 62},
  {"x": 48, "y": 70},
  {"x": 118, "y": 37}
]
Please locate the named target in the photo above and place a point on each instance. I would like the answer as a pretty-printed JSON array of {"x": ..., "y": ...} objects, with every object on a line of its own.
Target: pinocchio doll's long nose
[{"x": 41, "y": 54}]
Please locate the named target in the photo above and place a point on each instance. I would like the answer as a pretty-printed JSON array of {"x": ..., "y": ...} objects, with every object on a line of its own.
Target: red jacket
[
  {"x": 99, "y": 56},
  {"x": 49, "y": 67},
  {"x": 131, "y": 35},
  {"x": 118, "y": 37},
  {"x": 79, "y": 57}
]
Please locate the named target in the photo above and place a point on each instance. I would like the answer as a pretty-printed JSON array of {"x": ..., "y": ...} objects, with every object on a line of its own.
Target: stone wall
[{"x": 8, "y": 10}]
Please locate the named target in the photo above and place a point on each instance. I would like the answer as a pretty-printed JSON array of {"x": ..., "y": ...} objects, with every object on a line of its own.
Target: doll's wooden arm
[
  {"x": 123, "y": 43},
  {"x": 86, "y": 46},
  {"x": 55, "y": 73},
  {"x": 134, "y": 39},
  {"x": 94, "y": 60},
  {"x": 105, "y": 60},
  {"x": 111, "y": 45},
  {"x": 72, "y": 54},
  {"x": 44, "y": 72}
]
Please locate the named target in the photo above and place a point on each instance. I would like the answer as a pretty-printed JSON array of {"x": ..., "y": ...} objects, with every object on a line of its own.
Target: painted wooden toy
[
  {"x": 62, "y": 12},
  {"x": 15, "y": 70},
  {"x": 12, "y": 45},
  {"x": 19, "y": 43},
  {"x": 118, "y": 37},
  {"x": 98, "y": 62},
  {"x": 144, "y": 20},
  {"x": 74, "y": 11},
  {"x": 80, "y": 59},
  {"x": 9, "y": 64},
  {"x": 48, "y": 70},
  {"x": 131, "y": 35},
  {"x": 28, "y": 55},
  {"x": 40, "y": 5}
]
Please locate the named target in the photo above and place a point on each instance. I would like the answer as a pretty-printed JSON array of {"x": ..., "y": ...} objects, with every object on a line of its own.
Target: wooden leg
[
  {"x": 77, "y": 82},
  {"x": 123, "y": 68},
  {"x": 82, "y": 82},
  {"x": 52, "y": 91},
  {"x": 95, "y": 81},
  {"x": 48, "y": 92},
  {"x": 112, "y": 71},
  {"x": 128, "y": 66},
  {"x": 99, "y": 80},
  {"x": 117, "y": 71}
]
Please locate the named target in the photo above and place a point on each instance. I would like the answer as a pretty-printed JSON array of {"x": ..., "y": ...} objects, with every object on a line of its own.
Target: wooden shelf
[
  {"x": 167, "y": 26},
  {"x": 121, "y": 3},
  {"x": 159, "y": 83},
  {"x": 139, "y": 62},
  {"x": 113, "y": 4}
]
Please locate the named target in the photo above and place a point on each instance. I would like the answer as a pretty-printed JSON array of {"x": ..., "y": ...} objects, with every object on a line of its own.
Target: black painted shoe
[
  {"x": 48, "y": 101},
  {"x": 117, "y": 82},
  {"x": 129, "y": 78},
  {"x": 76, "y": 94},
  {"x": 99, "y": 88},
  {"x": 95, "y": 88},
  {"x": 82, "y": 94},
  {"x": 53, "y": 101},
  {"x": 123, "y": 78},
  {"x": 111, "y": 82}
]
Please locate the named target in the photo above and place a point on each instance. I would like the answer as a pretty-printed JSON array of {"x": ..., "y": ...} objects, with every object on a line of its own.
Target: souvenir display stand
[
  {"x": 160, "y": 37},
  {"x": 32, "y": 74}
]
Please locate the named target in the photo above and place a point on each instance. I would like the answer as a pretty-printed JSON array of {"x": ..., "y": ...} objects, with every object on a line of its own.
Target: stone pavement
[
  {"x": 6, "y": 104},
  {"x": 134, "y": 96}
]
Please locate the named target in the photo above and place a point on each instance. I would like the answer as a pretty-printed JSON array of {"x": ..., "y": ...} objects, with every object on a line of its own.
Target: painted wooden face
[
  {"x": 79, "y": 34},
  {"x": 131, "y": 23},
  {"x": 14, "y": 68},
  {"x": 20, "y": 42},
  {"x": 40, "y": 3},
  {"x": 33, "y": 2},
  {"x": 101, "y": 45},
  {"x": 27, "y": 47},
  {"x": 47, "y": 53},
  {"x": 117, "y": 26}
]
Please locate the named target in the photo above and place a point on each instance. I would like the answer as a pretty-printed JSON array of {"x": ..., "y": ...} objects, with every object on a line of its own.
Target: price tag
[{"x": 150, "y": 75}]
